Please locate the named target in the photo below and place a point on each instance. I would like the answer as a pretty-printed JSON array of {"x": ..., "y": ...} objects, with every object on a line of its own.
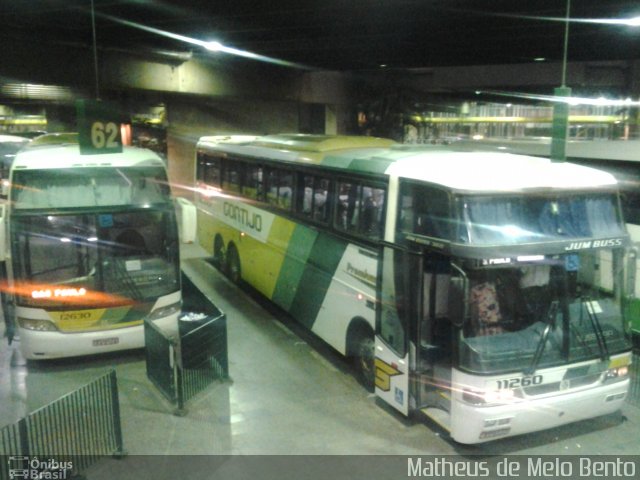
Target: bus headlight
[
  {"x": 614, "y": 374},
  {"x": 164, "y": 312},
  {"x": 489, "y": 397},
  {"x": 37, "y": 325}
]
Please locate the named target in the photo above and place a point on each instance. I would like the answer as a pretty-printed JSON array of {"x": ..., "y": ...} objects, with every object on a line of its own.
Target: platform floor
[{"x": 289, "y": 394}]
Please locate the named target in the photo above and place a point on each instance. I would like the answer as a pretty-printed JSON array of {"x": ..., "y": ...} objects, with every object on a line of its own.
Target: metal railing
[
  {"x": 633, "y": 396},
  {"x": 72, "y": 432},
  {"x": 184, "y": 366}
]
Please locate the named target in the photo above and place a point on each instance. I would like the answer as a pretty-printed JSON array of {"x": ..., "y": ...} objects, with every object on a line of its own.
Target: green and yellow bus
[{"x": 484, "y": 290}]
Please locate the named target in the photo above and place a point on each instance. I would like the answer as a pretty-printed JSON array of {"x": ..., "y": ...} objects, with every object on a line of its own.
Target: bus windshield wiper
[
  {"x": 597, "y": 327},
  {"x": 551, "y": 320}
]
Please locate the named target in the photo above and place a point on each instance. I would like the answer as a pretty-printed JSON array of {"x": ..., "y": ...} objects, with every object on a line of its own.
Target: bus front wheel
[
  {"x": 363, "y": 357},
  {"x": 232, "y": 267}
]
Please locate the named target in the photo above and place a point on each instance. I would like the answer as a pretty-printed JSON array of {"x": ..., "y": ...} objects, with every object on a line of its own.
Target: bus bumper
[
  {"x": 35, "y": 345},
  {"x": 477, "y": 424},
  {"x": 49, "y": 345}
]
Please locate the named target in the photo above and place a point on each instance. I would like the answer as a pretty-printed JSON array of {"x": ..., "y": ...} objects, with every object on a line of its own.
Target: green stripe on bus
[
  {"x": 318, "y": 273},
  {"x": 361, "y": 163},
  {"x": 370, "y": 165},
  {"x": 298, "y": 252}
]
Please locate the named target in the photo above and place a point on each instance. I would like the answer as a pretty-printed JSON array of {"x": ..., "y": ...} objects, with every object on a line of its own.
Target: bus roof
[
  {"x": 68, "y": 156},
  {"x": 13, "y": 139},
  {"x": 494, "y": 172},
  {"x": 441, "y": 165},
  {"x": 296, "y": 147},
  {"x": 320, "y": 143}
]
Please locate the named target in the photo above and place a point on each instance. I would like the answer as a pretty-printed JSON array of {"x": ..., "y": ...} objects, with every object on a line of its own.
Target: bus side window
[
  {"x": 312, "y": 200},
  {"x": 320, "y": 195},
  {"x": 278, "y": 192},
  {"x": 209, "y": 171},
  {"x": 359, "y": 209},
  {"x": 373, "y": 206},
  {"x": 306, "y": 200},
  {"x": 347, "y": 206},
  {"x": 252, "y": 187},
  {"x": 425, "y": 211},
  {"x": 231, "y": 176},
  {"x": 285, "y": 191},
  {"x": 407, "y": 214}
]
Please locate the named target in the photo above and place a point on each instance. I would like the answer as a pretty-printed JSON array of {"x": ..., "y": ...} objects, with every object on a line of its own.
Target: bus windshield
[
  {"x": 90, "y": 187},
  {"x": 561, "y": 309},
  {"x": 508, "y": 219},
  {"x": 501, "y": 220},
  {"x": 96, "y": 259}
]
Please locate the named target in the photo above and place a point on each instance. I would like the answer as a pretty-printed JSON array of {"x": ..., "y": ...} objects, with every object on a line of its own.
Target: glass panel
[
  {"x": 631, "y": 206},
  {"x": 313, "y": 201},
  {"x": 210, "y": 169},
  {"x": 573, "y": 296},
  {"x": 90, "y": 187},
  {"x": 8, "y": 152},
  {"x": 232, "y": 176},
  {"x": 372, "y": 211},
  {"x": 360, "y": 209},
  {"x": 320, "y": 204},
  {"x": 132, "y": 256},
  {"x": 279, "y": 189},
  {"x": 425, "y": 211},
  {"x": 252, "y": 187},
  {"x": 509, "y": 220},
  {"x": 348, "y": 204},
  {"x": 392, "y": 322}
]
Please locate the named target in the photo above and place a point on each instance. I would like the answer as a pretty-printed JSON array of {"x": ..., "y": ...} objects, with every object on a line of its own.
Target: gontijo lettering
[{"x": 243, "y": 216}]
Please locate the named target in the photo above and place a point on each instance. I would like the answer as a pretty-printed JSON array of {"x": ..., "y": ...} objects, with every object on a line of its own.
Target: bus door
[
  {"x": 399, "y": 279},
  {"x": 434, "y": 344}
]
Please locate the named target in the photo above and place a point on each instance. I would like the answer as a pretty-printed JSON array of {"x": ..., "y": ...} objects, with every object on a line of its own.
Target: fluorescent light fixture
[
  {"x": 601, "y": 101},
  {"x": 212, "y": 46}
]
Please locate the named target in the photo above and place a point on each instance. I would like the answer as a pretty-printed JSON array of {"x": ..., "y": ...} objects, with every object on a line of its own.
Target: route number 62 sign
[{"x": 98, "y": 128}]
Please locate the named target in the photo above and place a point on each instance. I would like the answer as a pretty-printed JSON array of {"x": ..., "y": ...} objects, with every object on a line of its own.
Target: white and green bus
[
  {"x": 91, "y": 250},
  {"x": 484, "y": 290}
]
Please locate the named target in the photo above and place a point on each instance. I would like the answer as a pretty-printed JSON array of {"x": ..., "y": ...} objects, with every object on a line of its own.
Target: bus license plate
[{"x": 101, "y": 342}]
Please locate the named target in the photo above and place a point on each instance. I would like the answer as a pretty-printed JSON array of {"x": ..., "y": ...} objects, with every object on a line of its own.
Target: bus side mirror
[
  {"x": 458, "y": 305},
  {"x": 632, "y": 272},
  {"x": 3, "y": 239}
]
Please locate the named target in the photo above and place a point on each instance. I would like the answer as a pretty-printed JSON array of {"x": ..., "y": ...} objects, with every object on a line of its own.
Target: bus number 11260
[{"x": 524, "y": 382}]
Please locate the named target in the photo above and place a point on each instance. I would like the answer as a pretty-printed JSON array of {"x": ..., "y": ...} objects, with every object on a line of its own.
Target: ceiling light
[{"x": 213, "y": 46}]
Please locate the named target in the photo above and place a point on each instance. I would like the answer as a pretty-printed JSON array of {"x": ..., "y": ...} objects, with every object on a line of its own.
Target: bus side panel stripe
[
  {"x": 367, "y": 165},
  {"x": 293, "y": 265},
  {"x": 317, "y": 276}
]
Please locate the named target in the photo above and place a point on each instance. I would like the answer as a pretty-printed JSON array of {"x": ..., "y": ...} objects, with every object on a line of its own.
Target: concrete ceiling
[{"x": 339, "y": 35}]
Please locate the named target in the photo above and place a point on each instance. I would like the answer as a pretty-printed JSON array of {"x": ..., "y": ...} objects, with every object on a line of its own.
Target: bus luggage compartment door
[{"x": 399, "y": 272}]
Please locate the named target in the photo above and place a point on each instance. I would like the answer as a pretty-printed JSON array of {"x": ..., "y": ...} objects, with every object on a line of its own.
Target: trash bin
[
  {"x": 193, "y": 344},
  {"x": 189, "y": 321}
]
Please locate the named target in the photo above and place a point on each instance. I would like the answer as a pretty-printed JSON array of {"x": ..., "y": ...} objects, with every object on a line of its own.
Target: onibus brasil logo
[{"x": 33, "y": 468}]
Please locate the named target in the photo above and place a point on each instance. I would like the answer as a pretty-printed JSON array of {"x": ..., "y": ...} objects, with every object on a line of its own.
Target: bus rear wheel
[
  {"x": 218, "y": 252},
  {"x": 232, "y": 265}
]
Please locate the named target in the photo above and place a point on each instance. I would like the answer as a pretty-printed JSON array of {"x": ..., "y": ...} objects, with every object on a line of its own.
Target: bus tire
[
  {"x": 362, "y": 353},
  {"x": 218, "y": 252},
  {"x": 232, "y": 264}
]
